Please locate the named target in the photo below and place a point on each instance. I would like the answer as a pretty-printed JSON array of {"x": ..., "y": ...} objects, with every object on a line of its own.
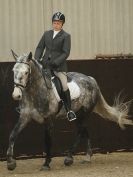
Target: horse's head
[{"x": 21, "y": 74}]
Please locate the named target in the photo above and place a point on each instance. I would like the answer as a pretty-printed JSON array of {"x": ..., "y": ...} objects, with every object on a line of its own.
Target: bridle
[{"x": 20, "y": 86}]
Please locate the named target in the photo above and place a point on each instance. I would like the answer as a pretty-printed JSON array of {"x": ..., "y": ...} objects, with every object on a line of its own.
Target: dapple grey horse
[{"x": 38, "y": 102}]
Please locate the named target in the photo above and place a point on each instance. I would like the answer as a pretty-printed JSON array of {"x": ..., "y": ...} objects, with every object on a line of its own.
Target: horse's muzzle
[{"x": 17, "y": 93}]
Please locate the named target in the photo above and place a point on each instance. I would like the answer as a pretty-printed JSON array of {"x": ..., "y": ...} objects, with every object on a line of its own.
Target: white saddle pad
[{"x": 74, "y": 90}]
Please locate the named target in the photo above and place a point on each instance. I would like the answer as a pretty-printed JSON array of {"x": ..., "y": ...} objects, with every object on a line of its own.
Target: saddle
[
  {"x": 58, "y": 90},
  {"x": 57, "y": 86}
]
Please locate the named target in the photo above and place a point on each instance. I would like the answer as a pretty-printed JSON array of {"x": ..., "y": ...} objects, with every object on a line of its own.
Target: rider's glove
[{"x": 53, "y": 64}]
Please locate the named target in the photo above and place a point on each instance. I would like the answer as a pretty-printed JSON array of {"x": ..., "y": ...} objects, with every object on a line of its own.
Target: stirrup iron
[{"x": 72, "y": 118}]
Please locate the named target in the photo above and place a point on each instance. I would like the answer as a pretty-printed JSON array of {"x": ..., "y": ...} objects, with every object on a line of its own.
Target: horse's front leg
[
  {"x": 11, "y": 163},
  {"x": 48, "y": 144}
]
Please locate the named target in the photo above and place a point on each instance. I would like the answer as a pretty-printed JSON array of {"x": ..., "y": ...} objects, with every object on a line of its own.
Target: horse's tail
[{"x": 117, "y": 113}]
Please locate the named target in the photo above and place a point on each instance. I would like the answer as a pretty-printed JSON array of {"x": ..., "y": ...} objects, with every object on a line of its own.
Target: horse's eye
[{"x": 26, "y": 73}]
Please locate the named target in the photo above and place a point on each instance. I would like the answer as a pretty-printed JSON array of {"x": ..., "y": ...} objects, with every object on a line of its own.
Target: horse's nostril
[
  {"x": 19, "y": 96},
  {"x": 20, "y": 78}
]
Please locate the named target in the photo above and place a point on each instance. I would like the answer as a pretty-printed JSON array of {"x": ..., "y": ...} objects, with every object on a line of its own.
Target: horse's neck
[
  {"x": 35, "y": 83},
  {"x": 36, "y": 95},
  {"x": 35, "y": 73},
  {"x": 37, "y": 79}
]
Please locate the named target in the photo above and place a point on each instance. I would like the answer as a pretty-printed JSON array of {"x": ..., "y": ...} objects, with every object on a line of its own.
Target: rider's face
[{"x": 57, "y": 25}]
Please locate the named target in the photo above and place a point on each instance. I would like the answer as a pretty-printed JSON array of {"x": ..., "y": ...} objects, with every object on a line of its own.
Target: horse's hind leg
[
  {"x": 69, "y": 158},
  {"x": 82, "y": 134},
  {"x": 48, "y": 144},
  {"x": 11, "y": 163},
  {"x": 88, "y": 149}
]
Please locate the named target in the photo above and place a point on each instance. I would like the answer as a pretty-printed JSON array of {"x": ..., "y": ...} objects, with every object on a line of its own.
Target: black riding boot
[{"x": 67, "y": 103}]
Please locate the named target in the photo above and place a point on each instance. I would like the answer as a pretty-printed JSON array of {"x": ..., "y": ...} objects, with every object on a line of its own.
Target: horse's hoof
[
  {"x": 45, "y": 168},
  {"x": 11, "y": 165},
  {"x": 68, "y": 161},
  {"x": 87, "y": 159}
]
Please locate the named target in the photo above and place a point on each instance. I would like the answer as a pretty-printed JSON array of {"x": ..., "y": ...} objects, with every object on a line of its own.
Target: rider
[{"x": 57, "y": 45}]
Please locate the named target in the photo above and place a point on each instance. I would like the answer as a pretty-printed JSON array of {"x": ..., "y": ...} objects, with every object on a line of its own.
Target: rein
[{"x": 44, "y": 74}]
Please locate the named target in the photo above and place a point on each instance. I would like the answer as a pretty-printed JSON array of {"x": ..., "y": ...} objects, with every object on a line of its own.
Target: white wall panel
[
  {"x": 96, "y": 26},
  {"x": 21, "y": 22}
]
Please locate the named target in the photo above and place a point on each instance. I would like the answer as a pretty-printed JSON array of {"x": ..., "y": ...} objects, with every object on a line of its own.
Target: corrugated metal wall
[{"x": 96, "y": 26}]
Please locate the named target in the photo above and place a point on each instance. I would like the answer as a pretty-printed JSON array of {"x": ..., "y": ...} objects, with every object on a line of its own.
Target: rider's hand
[
  {"x": 53, "y": 64},
  {"x": 45, "y": 64}
]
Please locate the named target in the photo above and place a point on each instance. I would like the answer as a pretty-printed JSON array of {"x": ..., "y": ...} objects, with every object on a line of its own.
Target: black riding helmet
[{"x": 58, "y": 16}]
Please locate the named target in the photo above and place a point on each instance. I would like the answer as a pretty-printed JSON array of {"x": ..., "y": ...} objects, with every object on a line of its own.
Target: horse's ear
[
  {"x": 15, "y": 56},
  {"x": 29, "y": 56}
]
